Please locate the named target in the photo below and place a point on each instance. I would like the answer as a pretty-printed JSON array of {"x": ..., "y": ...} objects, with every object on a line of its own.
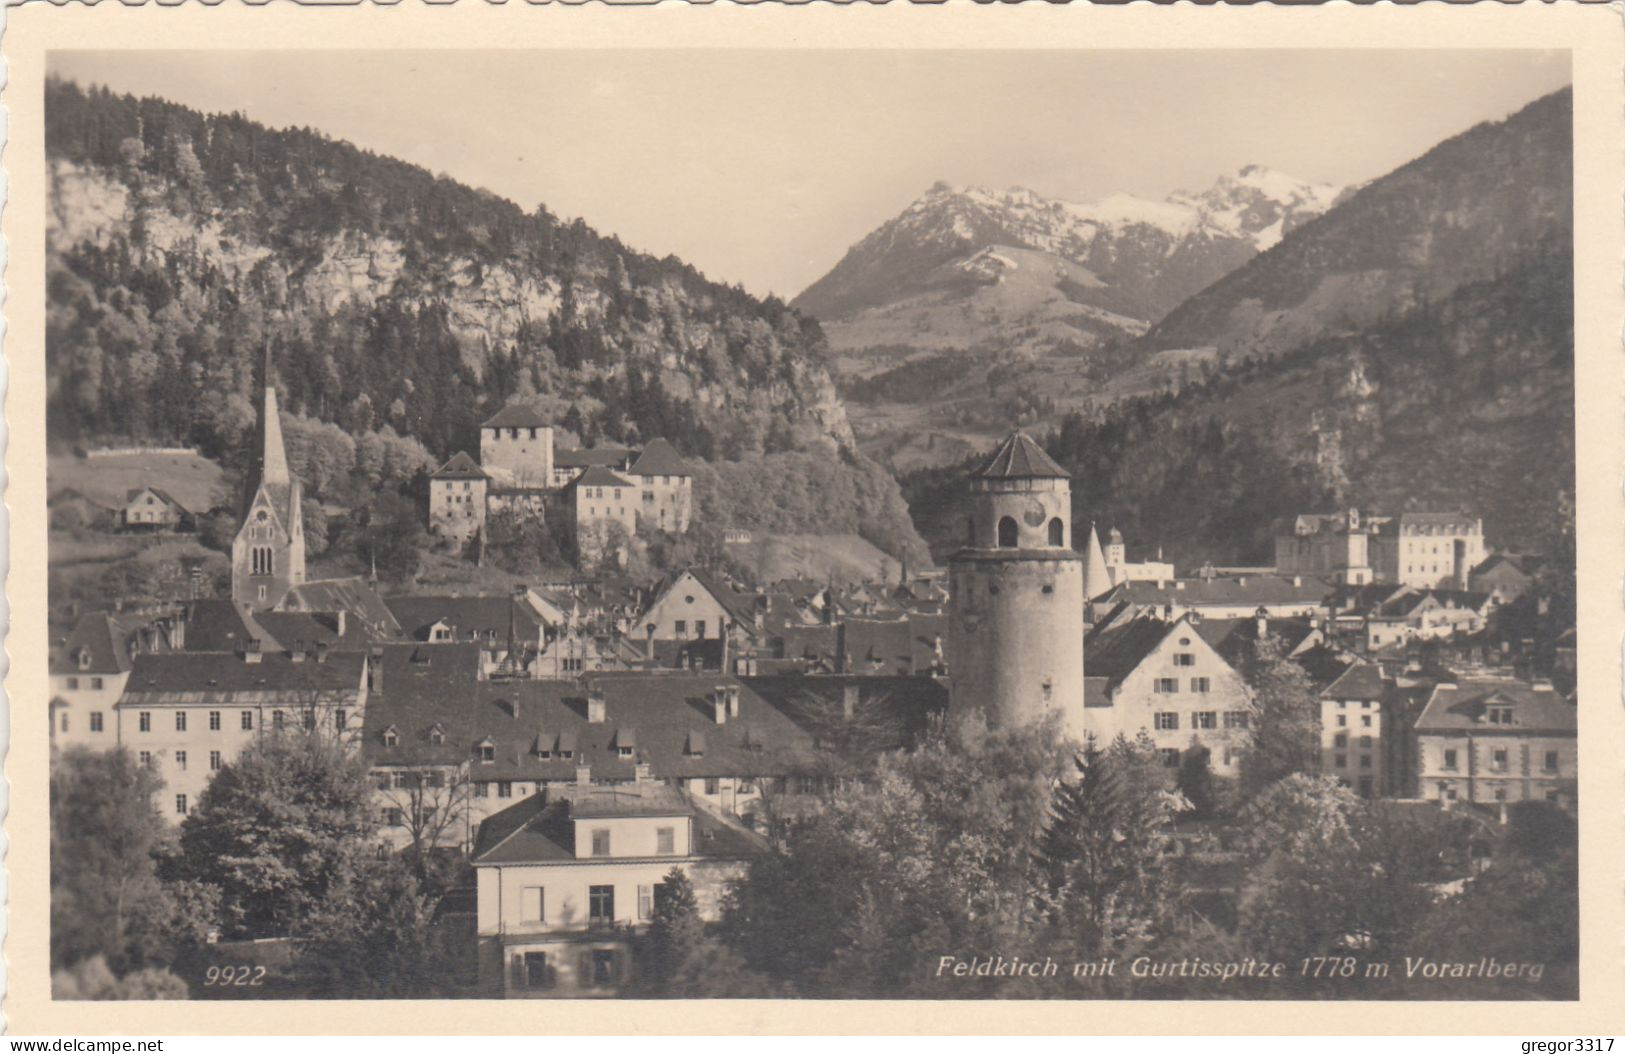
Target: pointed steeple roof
[
  {"x": 1096, "y": 579},
  {"x": 274, "y": 455},
  {"x": 1018, "y": 457}
]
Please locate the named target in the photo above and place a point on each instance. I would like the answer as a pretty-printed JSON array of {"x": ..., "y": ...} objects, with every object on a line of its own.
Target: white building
[{"x": 566, "y": 879}]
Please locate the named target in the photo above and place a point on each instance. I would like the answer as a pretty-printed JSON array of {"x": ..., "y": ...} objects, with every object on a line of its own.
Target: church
[{"x": 268, "y": 554}]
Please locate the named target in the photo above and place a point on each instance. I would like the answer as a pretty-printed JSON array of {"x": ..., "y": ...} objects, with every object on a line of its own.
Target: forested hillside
[
  {"x": 396, "y": 303},
  {"x": 1462, "y": 404}
]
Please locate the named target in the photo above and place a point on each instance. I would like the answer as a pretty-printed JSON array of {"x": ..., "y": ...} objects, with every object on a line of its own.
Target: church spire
[{"x": 273, "y": 455}]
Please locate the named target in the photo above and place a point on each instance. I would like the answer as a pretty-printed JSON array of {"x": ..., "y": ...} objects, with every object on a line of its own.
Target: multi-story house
[
  {"x": 1353, "y": 748},
  {"x": 188, "y": 714},
  {"x": 511, "y": 635},
  {"x": 1162, "y": 678},
  {"x": 666, "y": 501},
  {"x": 457, "y": 498},
  {"x": 1496, "y": 740},
  {"x": 566, "y": 879},
  {"x": 603, "y": 501},
  {"x": 90, "y": 668},
  {"x": 152, "y": 509}
]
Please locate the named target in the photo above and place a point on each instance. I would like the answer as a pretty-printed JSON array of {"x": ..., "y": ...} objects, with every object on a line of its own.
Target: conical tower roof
[
  {"x": 1018, "y": 457},
  {"x": 1096, "y": 579}
]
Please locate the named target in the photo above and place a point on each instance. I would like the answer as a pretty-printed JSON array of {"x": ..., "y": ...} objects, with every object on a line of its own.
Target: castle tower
[
  {"x": 1015, "y": 621},
  {"x": 1116, "y": 554},
  {"x": 268, "y": 554}
]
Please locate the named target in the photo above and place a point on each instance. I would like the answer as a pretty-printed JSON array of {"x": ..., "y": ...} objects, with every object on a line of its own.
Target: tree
[
  {"x": 1285, "y": 718},
  {"x": 675, "y": 934},
  {"x": 93, "y": 979},
  {"x": 277, "y": 829},
  {"x": 1104, "y": 853},
  {"x": 106, "y": 897},
  {"x": 432, "y": 804},
  {"x": 372, "y": 936},
  {"x": 390, "y": 536},
  {"x": 1196, "y": 781}
]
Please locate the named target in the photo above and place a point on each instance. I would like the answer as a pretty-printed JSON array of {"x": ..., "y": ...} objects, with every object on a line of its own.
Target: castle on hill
[{"x": 519, "y": 470}]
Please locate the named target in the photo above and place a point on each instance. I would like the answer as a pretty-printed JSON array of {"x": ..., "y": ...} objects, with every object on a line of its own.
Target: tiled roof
[
  {"x": 481, "y": 615},
  {"x": 598, "y": 476},
  {"x": 1018, "y": 457},
  {"x": 162, "y": 495},
  {"x": 605, "y": 456},
  {"x": 1115, "y": 653},
  {"x": 203, "y": 677},
  {"x": 461, "y": 466},
  {"x": 102, "y": 635},
  {"x": 660, "y": 458},
  {"x": 1461, "y": 707},
  {"x": 218, "y": 624},
  {"x": 1245, "y": 589},
  {"x": 1363, "y": 680},
  {"x": 662, "y": 708},
  {"x": 740, "y": 605},
  {"x": 892, "y": 646},
  {"x": 541, "y": 828},
  {"x": 354, "y": 595},
  {"x": 516, "y": 415}
]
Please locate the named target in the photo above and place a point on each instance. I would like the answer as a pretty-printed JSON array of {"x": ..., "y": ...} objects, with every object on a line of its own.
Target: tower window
[
  {"x": 1057, "y": 532},
  {"x": 1007, "y": 533},
  {"x": 970, "y": 530}
]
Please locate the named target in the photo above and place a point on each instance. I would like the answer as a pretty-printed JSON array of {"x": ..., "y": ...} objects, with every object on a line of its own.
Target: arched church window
[
  {"x": 1057, "y": 532},
  {"x": 1007, "y": 533}
]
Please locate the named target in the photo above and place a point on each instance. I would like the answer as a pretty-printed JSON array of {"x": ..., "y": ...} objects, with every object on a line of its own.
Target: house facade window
[
  {"x": 1166, "y": 685},
  {"x": 214, "y": 720},
  {"x": 1449, "y": 759},
  {"x": 1165, "y": 721},
  {"x": 180, "y": 805},
  {"x": 248, "y": 720},
  {"x": 145, "y": 721},
  {"x": 1236, "y": 719},
  {"x": 1170, "y": 757},
  {"x": 600, "y": 904},
  {"x": 1201, "y": 685},
  {"x": 214, "y": 761},
  {"x": 180, "y": 720},
  {"x": 666, "y": 841},
  {"x": 1205, "y": 719},
  {"x": 600, "y": 842},
  {"x": 95, "y": 720}
]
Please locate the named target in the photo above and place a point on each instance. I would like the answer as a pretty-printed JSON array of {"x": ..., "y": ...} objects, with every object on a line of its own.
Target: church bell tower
[
  {"x": 1016, "y": 612},
  {"x": 268, "y": 554}
]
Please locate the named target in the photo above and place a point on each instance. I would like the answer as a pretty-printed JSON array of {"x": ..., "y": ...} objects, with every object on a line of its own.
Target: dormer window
[
  {"x": 84, "y": 658},
  {"x": 437, "y": 735},
  {"x": 391, "y": 737},
  {"x": 1498, "y": 715},
  {"x": 487, "y": 751}
]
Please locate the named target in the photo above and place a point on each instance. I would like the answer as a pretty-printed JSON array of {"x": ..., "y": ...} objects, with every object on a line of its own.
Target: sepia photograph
[{"x": 1010, "y": 525}]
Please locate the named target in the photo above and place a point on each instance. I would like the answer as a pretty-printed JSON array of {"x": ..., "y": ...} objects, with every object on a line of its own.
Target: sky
[{"x": 762, "y": 167}]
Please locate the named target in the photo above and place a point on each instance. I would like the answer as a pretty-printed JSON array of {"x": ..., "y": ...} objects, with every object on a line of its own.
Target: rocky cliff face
[{"x": 284, "y": 236}]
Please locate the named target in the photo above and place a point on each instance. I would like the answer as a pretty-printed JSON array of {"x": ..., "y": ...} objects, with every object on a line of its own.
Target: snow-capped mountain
[{"x": 1145, "y": 256}]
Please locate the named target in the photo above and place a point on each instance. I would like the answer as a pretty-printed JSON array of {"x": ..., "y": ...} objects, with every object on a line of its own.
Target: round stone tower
[{"x": 1015, "y": 623}]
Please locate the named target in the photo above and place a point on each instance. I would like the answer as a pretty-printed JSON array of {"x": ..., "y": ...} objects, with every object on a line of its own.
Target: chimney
[
  {"x": 649, "y": 641},
  {"x": 583, "y": 776},
  {"x": 343, "y": 620},
  {"x": 1297, "y": 581},
  {"x": 1263, "y": 623},
  {"x": 719, "y": 704},
  {"x": 251, "y": 650},
  {"x": 375, "y": 671},
  {"x": 849, "y": 701},
  {"x": 643, "y": 772},
  {"x": 733, "y": 700},
  {"x": 595, "y": 705},
  {"x": 321, "y": 651}
]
